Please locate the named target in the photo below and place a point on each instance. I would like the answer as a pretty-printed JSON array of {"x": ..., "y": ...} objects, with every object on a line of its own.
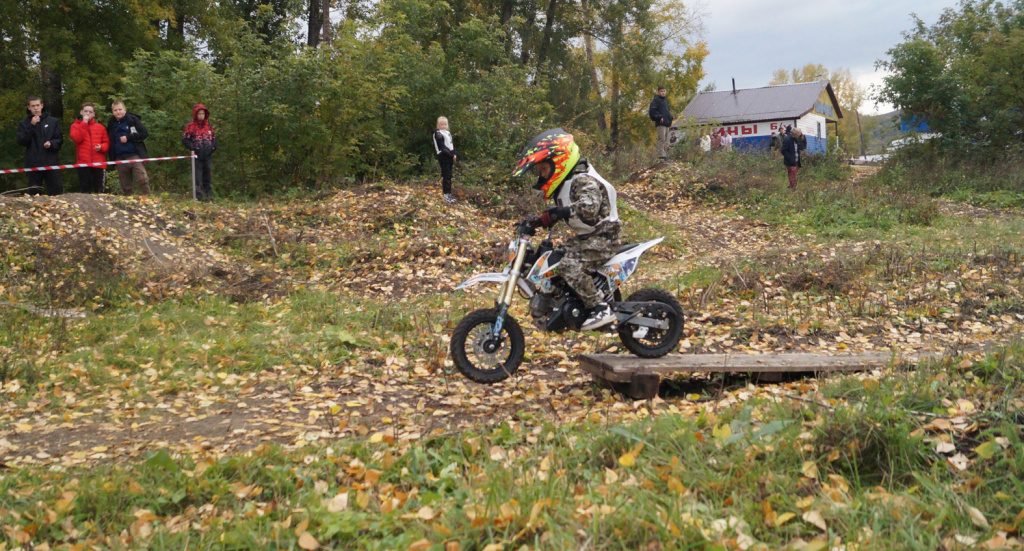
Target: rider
[{"x": 587, "y": 202}]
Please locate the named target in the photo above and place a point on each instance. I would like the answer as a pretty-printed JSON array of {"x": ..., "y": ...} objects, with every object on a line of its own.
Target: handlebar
[{"x": 528, "y": 226}]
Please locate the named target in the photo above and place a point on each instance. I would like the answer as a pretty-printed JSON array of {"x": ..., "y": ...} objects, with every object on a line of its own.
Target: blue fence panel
[{"x": 756, "y": 144}]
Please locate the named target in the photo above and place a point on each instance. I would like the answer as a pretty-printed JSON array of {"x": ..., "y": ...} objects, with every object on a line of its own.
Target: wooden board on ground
[{"x": 639, "y": 377}]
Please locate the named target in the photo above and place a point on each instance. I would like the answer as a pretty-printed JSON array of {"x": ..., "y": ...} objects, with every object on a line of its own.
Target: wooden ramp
[{"x": 639, "y": 377}]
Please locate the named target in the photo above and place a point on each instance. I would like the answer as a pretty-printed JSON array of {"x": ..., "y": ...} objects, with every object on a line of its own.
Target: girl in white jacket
[{"x": 446, "y": 156}]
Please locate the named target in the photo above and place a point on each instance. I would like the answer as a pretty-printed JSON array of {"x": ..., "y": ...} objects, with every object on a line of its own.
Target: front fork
[{"x": 509, "y": 289}]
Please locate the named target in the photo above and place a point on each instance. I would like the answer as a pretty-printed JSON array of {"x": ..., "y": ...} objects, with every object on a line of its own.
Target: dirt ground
[{"x": 402, "y": 399}]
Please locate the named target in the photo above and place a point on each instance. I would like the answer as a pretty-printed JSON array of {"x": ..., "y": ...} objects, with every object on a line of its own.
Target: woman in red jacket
[{"x": 91, "y": 145}]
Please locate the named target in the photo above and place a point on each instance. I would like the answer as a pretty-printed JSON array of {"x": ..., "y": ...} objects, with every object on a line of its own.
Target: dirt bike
[{"x": 487, "y": 345}]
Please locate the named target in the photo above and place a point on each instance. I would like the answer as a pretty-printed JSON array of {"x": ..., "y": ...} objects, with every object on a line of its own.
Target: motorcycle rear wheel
[
  {"x": 482, "y": 357},
  {"x": 654, "y": 343}
]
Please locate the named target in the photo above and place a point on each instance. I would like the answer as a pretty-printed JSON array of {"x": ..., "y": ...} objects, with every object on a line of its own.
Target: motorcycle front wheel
[
  {"x": 647, "y": 342},
  {"x": 481, "y": 355}
]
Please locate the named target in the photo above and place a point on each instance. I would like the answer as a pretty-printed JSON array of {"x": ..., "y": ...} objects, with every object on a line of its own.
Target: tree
[
  {"x": 963, "y": 74},
  {"x": 647, "y": 43}
]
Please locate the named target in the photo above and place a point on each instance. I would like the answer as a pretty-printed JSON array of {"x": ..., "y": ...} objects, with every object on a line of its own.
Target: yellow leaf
[
  {"x": 425, "y": 513},
  {"x": 721, "y": 433},
  {"x": 810, "y": 469},
  {"x": 815, "y": 518},
  {"x": 770, "y": 518},
  {"x": 338, "y": 503},
  {"x": 308, "y": 542},
  {"x": 978, "y": 518},
  {"x": 784, "y": 518},
  {"x": 610, "y": 476},
  {"x": 816, "y": 545},
  {"x": 420, "y": 545},
  {"x": 675, "y": 485},
  {"x": 494, "y": 547},
  {"x": 987, "y": 450},
  {"x": 628, "y": 459},
  {"x": 335, "y": 409},
  {"x": 377, "y": 438}
]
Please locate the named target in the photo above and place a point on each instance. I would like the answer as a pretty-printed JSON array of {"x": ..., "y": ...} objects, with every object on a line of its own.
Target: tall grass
[{"x": 960, "y": 173}]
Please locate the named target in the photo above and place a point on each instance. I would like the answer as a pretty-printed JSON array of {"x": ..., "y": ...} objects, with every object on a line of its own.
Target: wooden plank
[{"x": 619, "y": 368}]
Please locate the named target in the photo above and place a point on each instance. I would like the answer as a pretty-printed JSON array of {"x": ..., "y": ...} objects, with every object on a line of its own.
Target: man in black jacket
[
  {"x": 128, "y": 142},
  {"x": 791, "y": 152},
  {"x": 40, "y": 135},
  {"x": 662, "y": 117}
]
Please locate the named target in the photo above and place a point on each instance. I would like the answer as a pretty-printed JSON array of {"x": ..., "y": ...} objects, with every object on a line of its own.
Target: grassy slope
[{"x": 343, "y": 289}]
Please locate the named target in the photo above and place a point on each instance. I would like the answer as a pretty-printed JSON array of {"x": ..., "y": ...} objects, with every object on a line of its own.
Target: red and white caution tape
[{"x": 92, "y": 165}]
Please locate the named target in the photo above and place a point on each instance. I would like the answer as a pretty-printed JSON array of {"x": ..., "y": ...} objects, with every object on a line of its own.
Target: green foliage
[
  {"x": 363, "y": 104},
  {"x": 962, "y": 75}
]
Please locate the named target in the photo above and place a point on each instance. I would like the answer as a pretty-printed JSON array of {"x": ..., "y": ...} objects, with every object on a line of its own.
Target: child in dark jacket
[
  {"x": 446, "y": 156},
  {"x": 201, "y": 140}
]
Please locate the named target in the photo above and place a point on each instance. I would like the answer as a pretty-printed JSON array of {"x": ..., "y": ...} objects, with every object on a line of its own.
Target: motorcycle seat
[{"x": 625, "y": 248}]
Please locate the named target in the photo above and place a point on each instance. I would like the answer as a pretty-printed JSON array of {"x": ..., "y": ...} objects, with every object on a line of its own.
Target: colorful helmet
[{"x": 555, "y": 146}]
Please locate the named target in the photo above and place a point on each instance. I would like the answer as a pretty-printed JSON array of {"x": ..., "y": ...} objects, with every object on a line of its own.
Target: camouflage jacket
[{"x": 591, "y": 204}]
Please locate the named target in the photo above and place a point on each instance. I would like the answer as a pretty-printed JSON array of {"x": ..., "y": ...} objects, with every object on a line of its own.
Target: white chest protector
[{"x": 563, "y": 200}]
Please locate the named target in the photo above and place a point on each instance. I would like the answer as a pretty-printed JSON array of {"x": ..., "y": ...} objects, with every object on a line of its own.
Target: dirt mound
[{"x": 71, "y": 250}]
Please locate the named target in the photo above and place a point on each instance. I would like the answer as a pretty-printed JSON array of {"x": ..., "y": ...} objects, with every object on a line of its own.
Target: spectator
[
  {"x": 716, "y": 140},
  {"x": 40, "y": 135},
  {"x": 661, "y": 114},
  {"x": 726, "y": 140},
  {"x": 775, "y": 144},
  {"x": 705, "y": 143},
  {"x": 127, "y": 142},
  {"x": 200, "y": 139},
  {"x": 446, "y": 156},
  {"x": 91, "y": 146},
  {"x": 791, "y": 155}
]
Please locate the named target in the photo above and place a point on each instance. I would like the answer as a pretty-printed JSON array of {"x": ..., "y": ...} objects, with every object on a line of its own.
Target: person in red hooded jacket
[
  {"x": 201, "y": 140},
  {"x": 91, "y": 146}
]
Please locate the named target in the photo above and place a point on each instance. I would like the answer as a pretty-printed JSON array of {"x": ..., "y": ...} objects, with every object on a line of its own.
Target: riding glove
[{"x": 554, "y": 214}]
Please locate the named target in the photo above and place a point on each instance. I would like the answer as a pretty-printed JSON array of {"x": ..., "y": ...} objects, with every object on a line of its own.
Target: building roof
[{"x": 786, "y": 101}]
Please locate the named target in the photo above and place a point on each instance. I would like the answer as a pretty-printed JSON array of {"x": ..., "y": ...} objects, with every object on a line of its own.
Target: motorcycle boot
[{"x": 600, "y": 316}]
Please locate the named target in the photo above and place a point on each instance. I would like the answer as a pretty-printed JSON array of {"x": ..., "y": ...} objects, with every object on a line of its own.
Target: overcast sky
[{"x": 746, "y": 37}]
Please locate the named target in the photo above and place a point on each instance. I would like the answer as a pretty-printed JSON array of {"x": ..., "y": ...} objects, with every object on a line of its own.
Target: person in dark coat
[
  {"x": 127, "y": 143},
  {"x": 40, "y": 135},
  {"x": 446, "y": 156},
  {"x": 200, "y": 139},
  {"x": 661, "y": 114},
  {"x": 791, "y": 152}
]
